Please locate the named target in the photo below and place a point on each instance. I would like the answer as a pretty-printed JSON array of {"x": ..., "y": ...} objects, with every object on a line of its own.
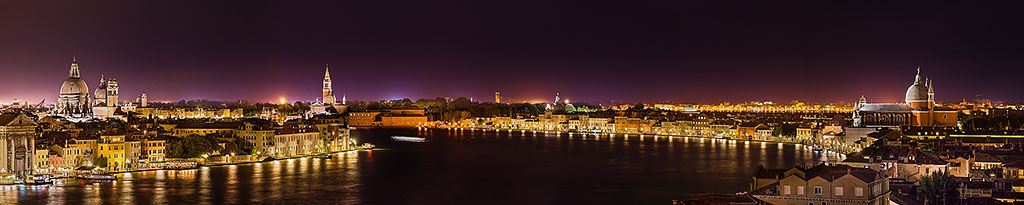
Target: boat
[
  {"x": 323, "y": 156},
  {"x": 39, "y": 179},
  {"x": 97, "y": 177},
  {"x": 8, "y": 179},
  {"x": 367, "y": 146},
  {"x": 408, "y": 139}
]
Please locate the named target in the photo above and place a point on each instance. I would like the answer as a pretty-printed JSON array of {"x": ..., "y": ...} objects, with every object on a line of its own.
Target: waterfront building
[
  {"x": 153, "y": 149},
  {"x": 395, "y": 117},
  {"x": 334, "y": 131},
  {"x": 112, "y": 148},
  {"x": 807, "y": 132},
  {"x": 918, "y": 110},
  {"x": 41, "y": 155},
  {"x": 73, "y": 101},
  {"x": 363, "y": 119},
  {"x": 752, "y": 131},
  {"x": 296, "y": 139},
  {"x": 822, "y": 184},
  {"x": 17, "y": 133},
  {"x": 403, "y": 120},
  {"x": 258, "y": 136}
]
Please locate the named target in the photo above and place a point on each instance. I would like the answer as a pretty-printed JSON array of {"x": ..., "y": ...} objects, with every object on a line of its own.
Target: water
[{"x": 468, "y": 167}]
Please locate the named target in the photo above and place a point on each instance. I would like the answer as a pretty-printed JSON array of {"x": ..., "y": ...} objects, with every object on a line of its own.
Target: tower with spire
[{"x": 328, "y": 90}]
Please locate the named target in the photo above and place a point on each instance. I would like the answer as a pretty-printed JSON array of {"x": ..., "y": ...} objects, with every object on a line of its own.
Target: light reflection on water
[{"x": 470, "y": 166}]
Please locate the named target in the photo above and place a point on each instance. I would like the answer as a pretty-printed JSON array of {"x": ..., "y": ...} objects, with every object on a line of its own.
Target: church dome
[
  {"x": 74, "y": 86},
  {"x": 917, "y": 93},
  {"x": 101, "y": 92}
]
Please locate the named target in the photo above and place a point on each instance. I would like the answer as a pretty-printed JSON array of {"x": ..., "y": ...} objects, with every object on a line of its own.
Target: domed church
[
  {"x": 73, "y": 101},
  {"x": 918, "y": 110}
]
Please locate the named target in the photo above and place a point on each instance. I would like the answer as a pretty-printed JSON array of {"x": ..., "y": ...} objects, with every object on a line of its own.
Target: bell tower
[{"x": 328, "y": 91}]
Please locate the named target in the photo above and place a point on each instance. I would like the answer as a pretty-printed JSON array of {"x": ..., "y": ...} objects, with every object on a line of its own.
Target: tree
[
  {"x": 99, "y": 161},
  {"x": 637, "y": 108},
  {"x": 938, "y": 188},
  {"x": 233, "y": 148},
  {"x": 191, "y": 146}
]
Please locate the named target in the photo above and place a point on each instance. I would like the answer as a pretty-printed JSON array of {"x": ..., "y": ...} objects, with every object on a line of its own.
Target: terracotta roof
[{"x": 830, "y": 173}]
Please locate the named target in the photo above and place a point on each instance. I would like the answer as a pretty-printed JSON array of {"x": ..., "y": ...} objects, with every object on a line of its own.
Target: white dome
[{"x": 74, "y": 86}]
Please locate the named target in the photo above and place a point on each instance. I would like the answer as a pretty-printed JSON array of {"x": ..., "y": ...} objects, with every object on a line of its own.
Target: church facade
[
  {"x": 17, "y": 133},
  {"x": 918, "y": 110}
]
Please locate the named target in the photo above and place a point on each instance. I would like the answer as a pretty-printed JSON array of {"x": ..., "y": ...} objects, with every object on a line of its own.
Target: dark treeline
[{"x": 463, "y": 108}]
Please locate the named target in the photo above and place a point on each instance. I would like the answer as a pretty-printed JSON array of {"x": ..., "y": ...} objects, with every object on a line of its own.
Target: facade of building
[
  {"x": 17, "y": 133},
  {"x": 918, "y": 110},
  {"x": 112, "y": 148},
  {"x": 73, "y": 101},
  {"x": 153, "y": 149}
]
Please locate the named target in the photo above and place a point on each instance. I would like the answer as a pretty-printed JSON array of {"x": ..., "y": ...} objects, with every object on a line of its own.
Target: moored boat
[
  {"x": 408, "y": 139},
  {"x": 39, "y": 179},
  {"x": 8, "y": 179},
  {"x": 98, "y": 177}
]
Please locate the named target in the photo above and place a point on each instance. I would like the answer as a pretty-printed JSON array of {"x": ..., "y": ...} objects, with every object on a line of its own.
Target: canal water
[{"x": 455, "y": 167}]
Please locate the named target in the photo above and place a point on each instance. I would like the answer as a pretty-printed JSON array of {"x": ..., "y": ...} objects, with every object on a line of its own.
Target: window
[
  {"x": 800, "y": 190},
  {"x": 823, "y": 203},
  {"x": 839, "y": 191},
  {"x": 817, "y": 190},
  {"x": 858, "y": 191}
]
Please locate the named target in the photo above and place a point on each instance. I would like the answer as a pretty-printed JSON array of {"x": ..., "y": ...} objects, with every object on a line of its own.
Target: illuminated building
[
  {"x": 296, "y": 139},
  {"x": 112, "y": 148},
  {"x": 153, "y": 149},
  {"x": 105, "y": 102},
  {"x": 18, "y": 133},
  {"x": 363, "y": 119},
  {"x": 395, "y": 117},
  {"x": 497, "y": 97},
  {"x": 918, "y": 110},
  {"x": 73, "y": 102},
  {"x": 204, "y": 128},
  {"x": 106, "y": 93},
  {"x": 143, "y": 100}
]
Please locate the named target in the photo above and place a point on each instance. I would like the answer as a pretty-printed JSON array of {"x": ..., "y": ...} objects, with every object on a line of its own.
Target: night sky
[{"x": 593, "y": 51}]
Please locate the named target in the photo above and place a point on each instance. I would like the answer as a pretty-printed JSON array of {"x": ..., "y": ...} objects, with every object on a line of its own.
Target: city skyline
[{"x": 754, "y": 53}]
